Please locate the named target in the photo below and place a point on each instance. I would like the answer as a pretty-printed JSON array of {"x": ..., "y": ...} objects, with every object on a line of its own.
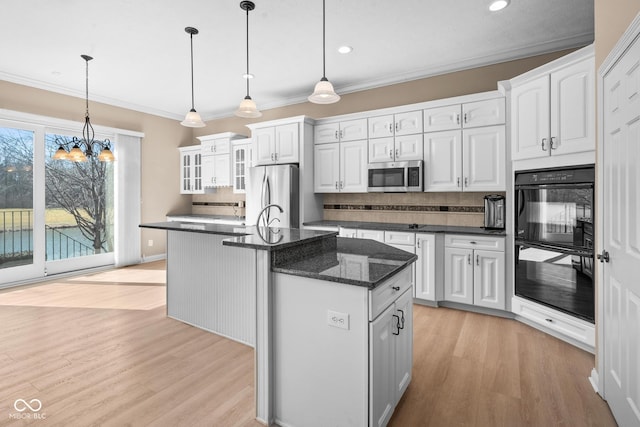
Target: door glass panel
[
  {"x": 79, "y": 213},
  {"x": 16, "y": 197}
]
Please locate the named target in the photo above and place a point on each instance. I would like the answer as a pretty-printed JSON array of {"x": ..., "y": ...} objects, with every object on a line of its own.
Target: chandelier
[{"x": 79, "y": 150}]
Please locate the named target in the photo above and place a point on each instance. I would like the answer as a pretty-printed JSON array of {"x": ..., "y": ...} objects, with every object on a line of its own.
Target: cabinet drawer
[
  {"x": 371, "y": 234},
  {"x": 474, "y": 242},
  {"x": 386, "y": 293},
  {"x": 399, "y": 238},
  {"x": 566, "y": 325}
]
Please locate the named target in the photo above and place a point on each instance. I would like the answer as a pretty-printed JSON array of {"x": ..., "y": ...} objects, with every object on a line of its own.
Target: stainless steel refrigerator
[{"x": 276, "y": 184}]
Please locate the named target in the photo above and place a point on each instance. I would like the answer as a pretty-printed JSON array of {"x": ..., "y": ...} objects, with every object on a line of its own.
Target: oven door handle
[
  {"x": 577, "y": 251},
  {"x": 543, "y": 186}
]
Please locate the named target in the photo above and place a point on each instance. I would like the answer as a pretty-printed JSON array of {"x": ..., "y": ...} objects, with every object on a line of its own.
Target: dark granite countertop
[
  {"x": 377, "y": 262},
  {"x": 247, "y": 237},
  {"x": 411, "y": 228}
]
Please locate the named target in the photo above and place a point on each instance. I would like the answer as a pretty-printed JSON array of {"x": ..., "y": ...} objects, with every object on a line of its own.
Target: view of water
[{"x": 63, "y": 242}]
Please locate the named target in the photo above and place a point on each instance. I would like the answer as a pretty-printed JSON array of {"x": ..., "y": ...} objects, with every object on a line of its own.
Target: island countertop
[{"x": 412, "y": 228}]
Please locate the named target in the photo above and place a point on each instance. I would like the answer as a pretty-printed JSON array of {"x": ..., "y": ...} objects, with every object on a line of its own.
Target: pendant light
[
  {"x": 247, "y": 106},
  {"x": 79, "y": 150},
  {"x": 192, "y": 119},
  {"x": 323, "y": 93}
]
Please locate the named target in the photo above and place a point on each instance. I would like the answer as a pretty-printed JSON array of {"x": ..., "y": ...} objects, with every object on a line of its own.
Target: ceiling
[{"x": 141, "y": 51}]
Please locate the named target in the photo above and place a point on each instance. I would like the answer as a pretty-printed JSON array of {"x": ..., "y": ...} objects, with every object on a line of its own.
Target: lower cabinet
[
  {"x": 391, "y": 345},
  {"x": 425, "y": 283},
  {"x": 475, "y": 271},
  {"x": 343, "y": 354}
]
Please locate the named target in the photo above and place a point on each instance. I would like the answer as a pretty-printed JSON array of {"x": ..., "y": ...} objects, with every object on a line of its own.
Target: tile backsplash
[{"x": 455, "y": 208}]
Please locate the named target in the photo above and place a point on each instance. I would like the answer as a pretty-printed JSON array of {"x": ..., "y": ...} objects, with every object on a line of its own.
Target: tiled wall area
[
  {"x": 222, "y": 201},
  {"x": 456, "y": 208}
]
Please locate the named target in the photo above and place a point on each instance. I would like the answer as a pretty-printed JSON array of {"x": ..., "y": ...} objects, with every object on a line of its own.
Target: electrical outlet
[
  {"x": 150, "y": 243},
  {"x": 241, "y": 204},
  {"x": 337, "y": 319}
]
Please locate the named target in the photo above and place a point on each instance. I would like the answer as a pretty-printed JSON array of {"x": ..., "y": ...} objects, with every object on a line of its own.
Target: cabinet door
[
  {"x": 222, "y": 146},
  {"x": 381, "y": 150},
  {"x": 240, "y": 164},
  {"x": 381, "y": 126},
  {"x": 458, "y": 275},
  {"x": 353, "y": 130},
  {"x": 443, "y": 161},
  {"x": 382, "y": 390},
  {"x": 530, "y": 119},
  {"x": 573, "y": 109},
  {"x": 425, "y": 284},
  {"x": 403, "y": 344},
  {"x": 483, "y": 159},
  {"x": 185, "y": 172},
  {"x": 347, "y": 232},
  {"x": 353, "y": 167},
  {"x": 371, "y": 234},
  {"x": 408, "y": 123},
  {"x": 287, "y": 141},
  {"x": 409, "y": 147},
  {"x": 197, "y": 172},
  {"x": 442, "y": 118},
  {"x": 326, "y": 167},
  {"x": 326, "y": 133},
  {"x": 489, "y": 279},
  {"x": 208, "y": 171},
  {"x": 222, "y": 170},
  {"x": 484, "y": 113},
  {"x": 264, "y": 145}
]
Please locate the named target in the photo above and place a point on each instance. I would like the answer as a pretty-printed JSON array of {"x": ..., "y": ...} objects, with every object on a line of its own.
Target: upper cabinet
[
  {"x": 216, "y": 159},
  {"x": 349, "y": 130},
  {"x": 191, "y": 170},
  {"x": 395, "y": 137},
  {"x": 553, "y": 110},
  {"x": 277, "y": 144},
  {"x": 340, "y": 167},
  {"x": 241, "y": 160},
  {"x": 467, "y": 115}
]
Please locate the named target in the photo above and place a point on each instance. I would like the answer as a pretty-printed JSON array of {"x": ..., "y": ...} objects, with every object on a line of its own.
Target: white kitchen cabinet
[
  {"x": 217, "y": 158},
  {"x": 468, "y": 160},
  {"x": 391, "y": 346},
  {"x": 340, "y": 167},
  {"x": 467, "y": 115},
  {"x": 347, "y": 232},
  {"x": 191, "y": 170},
  {"x": 395, "y": 137},
  {"x": 369, "y": 366},
  {"x": 425, "y": 266},
  {"x": 377, "y": 235},
  {"x": 554, "y": 113},
  {"x": 276, "y": 144},
  {"x": 240, "y": 162},
  {"x": 475, "y": 271},
  {"x": 349, "y": 130}
]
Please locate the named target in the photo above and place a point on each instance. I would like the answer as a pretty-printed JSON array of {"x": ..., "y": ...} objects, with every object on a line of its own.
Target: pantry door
[{"x": 620, "y": 256}]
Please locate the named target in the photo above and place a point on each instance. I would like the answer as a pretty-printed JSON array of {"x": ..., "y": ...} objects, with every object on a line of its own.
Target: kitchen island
[{"x": 267, "y": 272}]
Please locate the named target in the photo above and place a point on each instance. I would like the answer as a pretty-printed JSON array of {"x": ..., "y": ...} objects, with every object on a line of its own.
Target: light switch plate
[{"x": 337, "y": 319}]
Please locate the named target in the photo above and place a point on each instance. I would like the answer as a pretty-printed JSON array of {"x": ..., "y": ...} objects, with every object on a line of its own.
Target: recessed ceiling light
[
  {"x": 498, "y": 5},
  {"x": 345, "y": 49},
  {"x": 247, "y": 76}
]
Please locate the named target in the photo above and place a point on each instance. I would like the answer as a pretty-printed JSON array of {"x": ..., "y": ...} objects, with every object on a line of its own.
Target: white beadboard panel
[{"x": 212, "y": 286}]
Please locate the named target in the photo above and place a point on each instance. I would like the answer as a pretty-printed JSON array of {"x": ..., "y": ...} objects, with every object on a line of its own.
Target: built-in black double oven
[{"x": 554, "y": 248}]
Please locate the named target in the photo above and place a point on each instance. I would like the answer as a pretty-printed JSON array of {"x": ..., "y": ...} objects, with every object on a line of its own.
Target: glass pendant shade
[
  {"x": 76, "y": 155},
  {"x": 248, "y": 109},
  {"x": 323, "y": 93},
  {"x": 61, "y": 154},
  {"x": 106, "y": 155},
  {"x": 193, "y": 120}
]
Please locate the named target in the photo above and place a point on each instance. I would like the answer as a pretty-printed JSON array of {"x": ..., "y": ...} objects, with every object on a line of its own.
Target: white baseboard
[
  {"x": 594, "y": 379},
  {"x": 152, "y": 258}
]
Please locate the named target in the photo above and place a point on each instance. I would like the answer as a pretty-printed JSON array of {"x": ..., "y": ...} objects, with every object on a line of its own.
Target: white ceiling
[{"x": 141, "y": 50}]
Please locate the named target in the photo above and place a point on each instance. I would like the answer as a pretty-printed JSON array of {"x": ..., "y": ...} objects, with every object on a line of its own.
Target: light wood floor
[{"x": 99, "y": 350}]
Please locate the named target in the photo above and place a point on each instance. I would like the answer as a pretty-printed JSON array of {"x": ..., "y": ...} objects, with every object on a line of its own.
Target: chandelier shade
[
  {"x": 247, "y": 108},
  {"x": 323, "y": 92}
]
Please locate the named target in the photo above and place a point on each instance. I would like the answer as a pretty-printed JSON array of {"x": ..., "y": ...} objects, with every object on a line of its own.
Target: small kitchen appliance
[{"x": 494, "y": 211}]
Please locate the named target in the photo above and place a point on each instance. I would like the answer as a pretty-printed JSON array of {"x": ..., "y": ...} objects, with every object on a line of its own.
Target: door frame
[{"x": 625, "y": 41}]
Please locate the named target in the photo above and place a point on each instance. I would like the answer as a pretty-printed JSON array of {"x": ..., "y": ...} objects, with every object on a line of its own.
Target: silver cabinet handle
[
  {"x": 466, "y": 181},
  {"x": 465, "y": 117},
  {"x": 391, "y": 128},
  {"x": 341, "y": 134},
  {"x": 391, "y": 154},
  {"x": 272, "y": 159},
  {"x": 397, "y": 153},
  {"x": 457, "y": 119},
  {"x": 458, "y": 182},
  {"x": 397, "y": 127},
  {"x": 551, "y": 143},
  {"x": 469, "y": 259},
  {"x": 277, "y": 156},
  {"x": 336, "y": 185},
  {"x": 543, "y": 142},
  {"x": 477, "y": 259},
  {"x": 336, "y": 134},
  {"x": 341, "y": 185},
  {"x": 418, "y": 243}
]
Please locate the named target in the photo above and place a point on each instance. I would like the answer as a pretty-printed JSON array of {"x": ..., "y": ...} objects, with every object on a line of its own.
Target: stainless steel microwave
[{"x": 395, "y": 176}]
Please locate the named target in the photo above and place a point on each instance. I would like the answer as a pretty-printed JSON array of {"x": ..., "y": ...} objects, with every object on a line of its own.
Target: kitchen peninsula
[{"x": 320, "y": 310}]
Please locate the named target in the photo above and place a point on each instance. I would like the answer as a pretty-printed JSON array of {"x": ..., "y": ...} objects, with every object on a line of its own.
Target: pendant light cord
[
  {"x": 324, "y": 72},
  {"x": 192, "y": 100},
  {"x": 247, "y": 76}
]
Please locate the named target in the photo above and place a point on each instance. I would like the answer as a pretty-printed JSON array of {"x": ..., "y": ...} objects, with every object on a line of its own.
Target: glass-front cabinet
[{"x": 241, "y": 160}]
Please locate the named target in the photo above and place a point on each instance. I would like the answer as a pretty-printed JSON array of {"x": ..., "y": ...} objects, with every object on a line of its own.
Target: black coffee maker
[{"x": 494, "y": 211}]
